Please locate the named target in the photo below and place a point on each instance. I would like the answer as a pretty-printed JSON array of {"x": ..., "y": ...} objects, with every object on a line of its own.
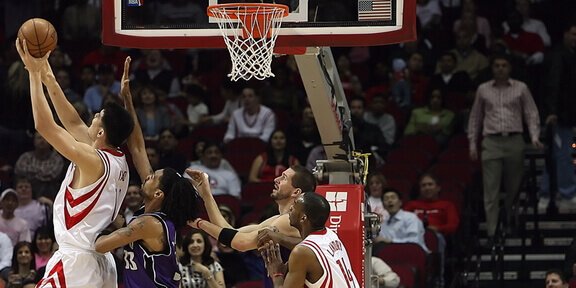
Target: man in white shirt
[
  {"x": 5, "y": 251},
  {"x": 402, "y": 226},
  {"x": 252, "y": 119}
]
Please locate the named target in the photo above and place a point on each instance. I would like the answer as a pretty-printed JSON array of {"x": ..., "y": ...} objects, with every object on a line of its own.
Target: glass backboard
[{"x": 168, "y": 24}]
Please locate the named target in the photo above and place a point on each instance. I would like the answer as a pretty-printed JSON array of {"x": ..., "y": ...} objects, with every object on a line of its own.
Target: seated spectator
[
  {"x": 252, "y": 119},
  {"x": 154, "y": 70},
  {"x": 468, "y": 58},
  {"x": 22, "y": 273},
  {"x": 402, "y": 226},
  {"x": 199, "y": 148},
  {"x": 524, "y": 45},
  {"x": 530, "y": 24},
  {"x": 168, "y": 151},
  {"x": 317, "y": 153},
  {"x": 386, "y": 277},
  {"x": 63, "y": 78},
  {"x": 376, "y": 115},
  {"x": 153, "y": 115},
  {"x": 375, "y": 189},
  {"x": 231, "y": 96},
  {"x": 367, "y": 137},
  {"x": 106, "y": 83},
  {"x": 437, "y": 215},
  {"x": 483, "y": 26},
  {"x": 5, "y": 252},
  {"x": 448, "y": 80},
  {"x": 36, "y": 212},
  {"x": 432, "y": 120},
  {"x": 43, "y": 246},
  {"x": 133, "y": 201},
  {"x": 15, "y": 227},
  {"x": 277, "y": 158},
  {"x": 222, "y": 181},
  {"x": 197, "y": 266},
  {"x": 196, "y": 108},
  {"x": 43, "y": 166}
]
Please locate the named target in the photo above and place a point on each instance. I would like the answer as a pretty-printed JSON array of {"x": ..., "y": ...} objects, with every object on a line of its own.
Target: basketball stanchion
[{"x": 249, "y": 31}]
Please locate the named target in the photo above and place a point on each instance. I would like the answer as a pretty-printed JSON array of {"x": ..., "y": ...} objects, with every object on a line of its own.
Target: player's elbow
[{"x": 242, "y": 245}]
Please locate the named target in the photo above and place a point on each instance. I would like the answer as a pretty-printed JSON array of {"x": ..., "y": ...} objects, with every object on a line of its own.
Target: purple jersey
[{"x": 152, "y": 269}]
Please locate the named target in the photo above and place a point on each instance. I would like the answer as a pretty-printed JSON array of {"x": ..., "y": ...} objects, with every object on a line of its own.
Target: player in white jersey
[
  {"x": 95, "y": 184},
  {"x": 320, "y": 260}
]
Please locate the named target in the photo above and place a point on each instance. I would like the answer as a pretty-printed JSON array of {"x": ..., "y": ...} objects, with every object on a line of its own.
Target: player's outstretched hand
[
  {"x": 125, "y": 83},
  {"x": 272, "y": 259},
  {"x": 200, "y": 181},
  {"x": 31, "y": 63}
]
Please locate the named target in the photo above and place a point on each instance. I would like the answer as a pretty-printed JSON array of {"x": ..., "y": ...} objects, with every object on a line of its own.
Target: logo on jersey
[{"x": 338, "y": 201}]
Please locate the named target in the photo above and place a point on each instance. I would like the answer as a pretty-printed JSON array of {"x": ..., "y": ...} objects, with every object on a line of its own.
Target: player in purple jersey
[{"x": 150, "y": 238}]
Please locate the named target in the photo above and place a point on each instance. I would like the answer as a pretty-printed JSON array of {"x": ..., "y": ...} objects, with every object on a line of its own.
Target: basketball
[{"x": 40, "y": 36}]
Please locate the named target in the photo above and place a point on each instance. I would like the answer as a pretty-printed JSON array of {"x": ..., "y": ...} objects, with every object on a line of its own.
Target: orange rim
[{"x": 231, "y": 9}]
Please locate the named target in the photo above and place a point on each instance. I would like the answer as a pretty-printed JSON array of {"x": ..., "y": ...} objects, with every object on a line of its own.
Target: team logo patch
[
  {"x": 135, "y": 3},
  {"x": 338, "y": 201}
]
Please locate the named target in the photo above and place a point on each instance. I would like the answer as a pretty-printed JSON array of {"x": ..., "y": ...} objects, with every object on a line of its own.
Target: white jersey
[
  {"x": 333, "y": 258},
  {"x": 79, "y": 216}
]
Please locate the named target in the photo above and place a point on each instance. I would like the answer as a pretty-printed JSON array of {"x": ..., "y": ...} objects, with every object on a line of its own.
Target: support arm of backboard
[{"x": 331, "y": 112}]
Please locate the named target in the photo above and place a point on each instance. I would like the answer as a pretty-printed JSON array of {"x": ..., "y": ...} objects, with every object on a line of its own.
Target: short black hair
[
  {"x": 500, "y": 56},
  {"x": 449, "y": 54},
  {"x": 180, "y": 198},
  {"x": 392, "y": 190},
  {"x": 316, "y": 208},
  {"x": 43, "y": 232},
  {"x": 118, "y": 124},
  {"x": 559, "y": 273},
  {"x": 303, "y": 179}
]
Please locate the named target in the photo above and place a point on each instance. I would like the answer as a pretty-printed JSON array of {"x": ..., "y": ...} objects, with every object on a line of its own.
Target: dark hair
[
  {"x": 449, "y": 54},
  {"x": 316, "y": 208},
  {"x": 303, "y": 179},
  {"x": 428, "y": 174},
  {"x": 206, "y": 254},
  {"x": 15, "y": 256},
  {"x": 558, "y": 272},
  {"x": 194, "y": 90},
  {"x": 210, "y": 143},
  {"x": 43, "y": 232},
  {"x": 500, "y": 56},
  {"x": 117, "y": 123},
  {"x": 391, "y": 190},
  {"x": 285, "y": 161},
  {"x": 180, "y": 198}
]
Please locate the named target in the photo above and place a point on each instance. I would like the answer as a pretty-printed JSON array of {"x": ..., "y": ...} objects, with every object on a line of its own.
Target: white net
[{"x": 250, "y": 32}]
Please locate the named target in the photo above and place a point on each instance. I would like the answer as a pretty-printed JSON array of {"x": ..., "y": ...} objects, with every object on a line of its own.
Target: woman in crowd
[
  {"x": 270, "y": 164},
  {"x": 22, "y": 273},
  {"x": 198, "y": 268},
  {"x": 43, "y": 245}
]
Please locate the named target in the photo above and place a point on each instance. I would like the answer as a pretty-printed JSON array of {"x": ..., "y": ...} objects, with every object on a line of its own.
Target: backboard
[{"x": 166, "y": 24}]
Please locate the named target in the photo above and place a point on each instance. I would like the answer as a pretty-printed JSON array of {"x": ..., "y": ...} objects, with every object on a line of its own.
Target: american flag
[{"x": 374, "y": 10}]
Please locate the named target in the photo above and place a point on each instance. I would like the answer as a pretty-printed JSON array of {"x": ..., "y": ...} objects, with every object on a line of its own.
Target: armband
[{"x": 226, "y": 235}]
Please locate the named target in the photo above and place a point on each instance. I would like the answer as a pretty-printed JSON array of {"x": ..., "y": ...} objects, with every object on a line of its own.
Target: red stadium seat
[
  {"x": 419, "y": 159},
  {"x": 257, "y": 195},
  {"x": 240, "y": 152},
  {"x": 186, "y": 147},
  {"x": 406, "y": 172},
  {"x": 402, "y": 185},
  {"x": 213, "y": 133},
  {"x": 407, "y": 253},
  {"x": 406, "y": 272},
  {"x": 425, "y": 143},
  {"x": 232, "y": 202}
]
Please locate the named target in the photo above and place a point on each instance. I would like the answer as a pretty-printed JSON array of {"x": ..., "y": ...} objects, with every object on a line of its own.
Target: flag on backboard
[{"x": 374, "y": 10}]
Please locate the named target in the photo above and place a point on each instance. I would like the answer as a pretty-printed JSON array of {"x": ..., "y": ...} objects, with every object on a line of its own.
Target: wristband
[{"x": 226, "y": 235}]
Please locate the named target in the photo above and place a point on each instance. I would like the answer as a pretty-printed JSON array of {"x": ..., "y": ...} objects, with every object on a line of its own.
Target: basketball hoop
[{"x": 250, "y": 31}]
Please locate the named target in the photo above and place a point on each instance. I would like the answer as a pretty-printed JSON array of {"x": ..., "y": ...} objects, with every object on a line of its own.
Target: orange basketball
[{"x": 40, "y": 36}]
